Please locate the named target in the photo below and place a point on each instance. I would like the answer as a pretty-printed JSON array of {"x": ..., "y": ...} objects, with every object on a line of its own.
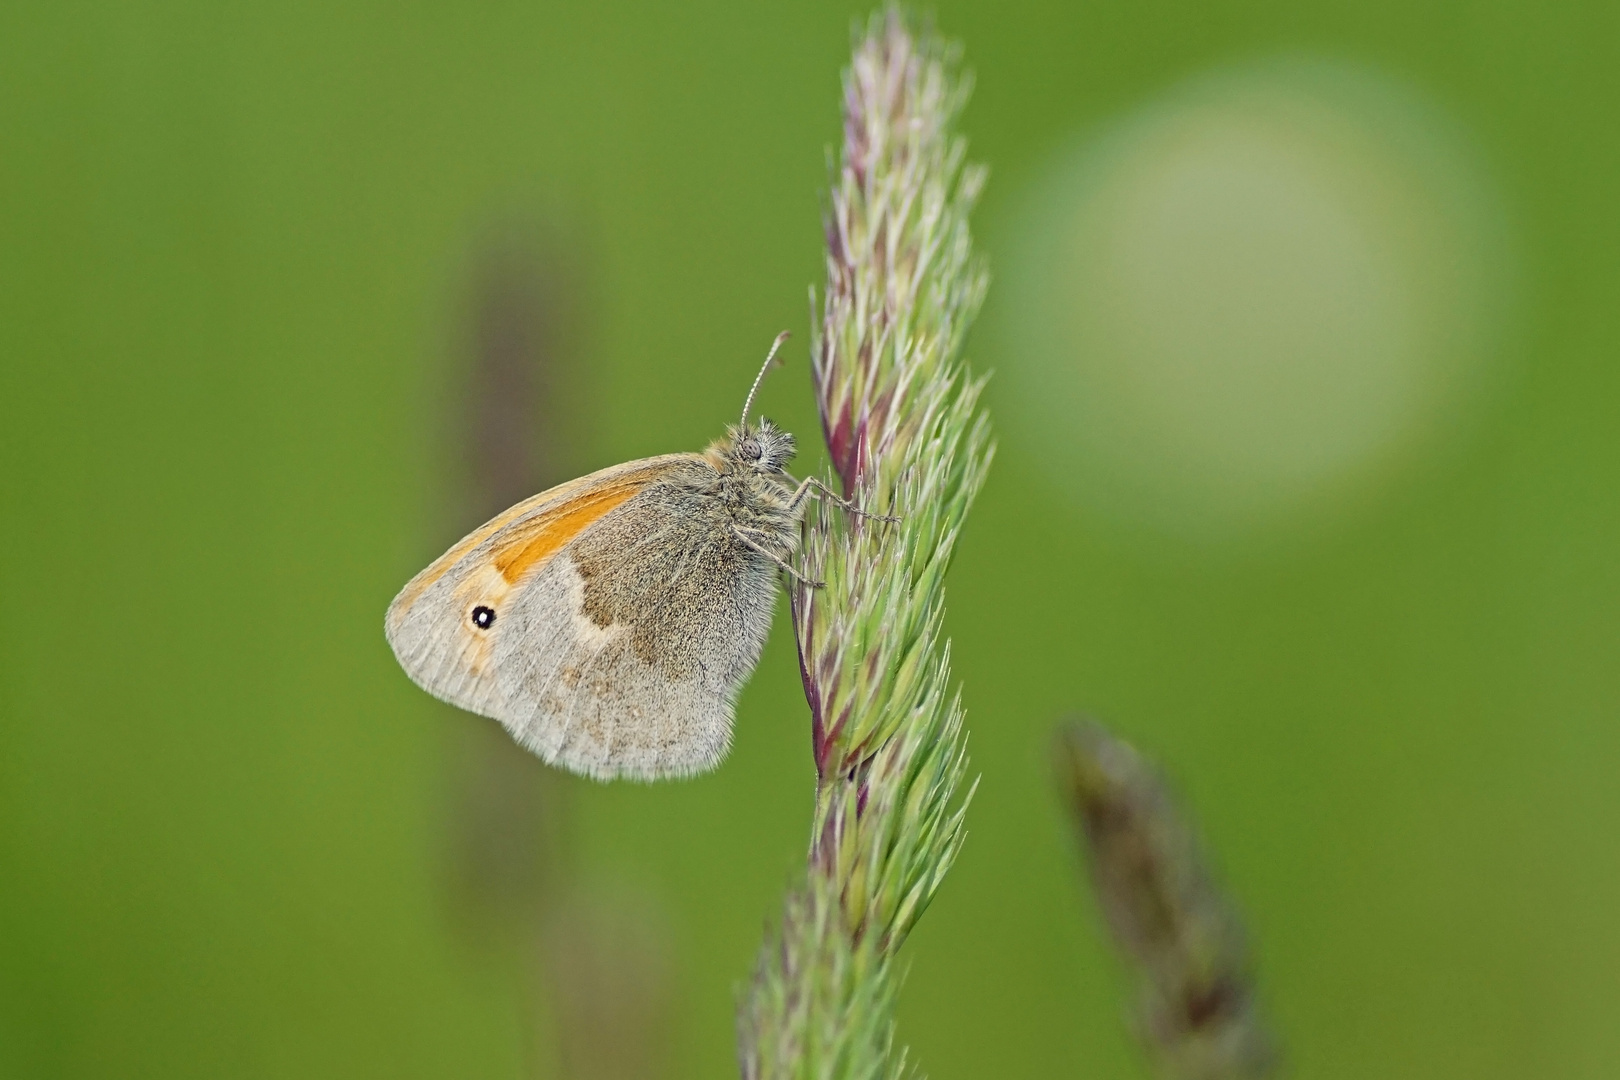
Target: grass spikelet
[{"x": 902, "y": 422}]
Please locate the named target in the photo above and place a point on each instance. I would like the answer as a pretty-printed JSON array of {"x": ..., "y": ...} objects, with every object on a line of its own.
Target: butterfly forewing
[{"x": 431, "y": 623}]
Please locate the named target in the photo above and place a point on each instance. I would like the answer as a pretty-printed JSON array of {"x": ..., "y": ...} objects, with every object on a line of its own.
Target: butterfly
[{"x": 610, "y": 622}]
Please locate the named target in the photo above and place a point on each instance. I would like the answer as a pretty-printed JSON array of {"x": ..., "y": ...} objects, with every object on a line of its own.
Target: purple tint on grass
[{"x": 842, "y": 445}]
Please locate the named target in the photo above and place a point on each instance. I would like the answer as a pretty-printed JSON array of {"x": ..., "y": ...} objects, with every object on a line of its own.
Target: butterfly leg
[
  {"x": 811, "y": 485},
  {"x": 742, "y": 535}
]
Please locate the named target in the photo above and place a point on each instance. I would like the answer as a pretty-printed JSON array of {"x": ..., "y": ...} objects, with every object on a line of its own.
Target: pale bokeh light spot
[{"x": 1254, "y": 298}]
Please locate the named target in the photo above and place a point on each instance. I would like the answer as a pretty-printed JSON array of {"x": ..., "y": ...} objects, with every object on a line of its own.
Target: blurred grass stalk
[
  {"x": 1196, "y": 1011},
  {"x": 906, "y": 437},
  {"x": 592, "y": 962}
]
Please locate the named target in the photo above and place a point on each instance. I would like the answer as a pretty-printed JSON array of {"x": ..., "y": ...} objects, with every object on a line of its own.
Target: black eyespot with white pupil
[{"x": 483, "y": 617}]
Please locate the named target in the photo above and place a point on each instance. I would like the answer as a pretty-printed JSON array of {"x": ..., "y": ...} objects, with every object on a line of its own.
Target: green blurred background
[{"x": 241, "y": 252}]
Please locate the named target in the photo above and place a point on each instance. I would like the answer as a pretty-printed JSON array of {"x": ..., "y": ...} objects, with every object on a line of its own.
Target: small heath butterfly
[{"x": 609, "y": 623}]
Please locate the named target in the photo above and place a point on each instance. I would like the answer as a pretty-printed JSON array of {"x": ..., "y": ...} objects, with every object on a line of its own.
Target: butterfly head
[{"x": 761, "y": 446}]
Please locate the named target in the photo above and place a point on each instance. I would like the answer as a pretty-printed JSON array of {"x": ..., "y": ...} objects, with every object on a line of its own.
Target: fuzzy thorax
[{"x": 751, "y": 488}]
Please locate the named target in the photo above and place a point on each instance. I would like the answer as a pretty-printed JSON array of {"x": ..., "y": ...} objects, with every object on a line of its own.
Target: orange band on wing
[
  {"x": 515, "y": 561},
  {"x": 536, "y": 528}
]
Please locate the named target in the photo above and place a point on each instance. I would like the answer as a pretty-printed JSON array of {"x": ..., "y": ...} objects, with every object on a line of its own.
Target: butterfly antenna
[{"x": 749, "y": 404}]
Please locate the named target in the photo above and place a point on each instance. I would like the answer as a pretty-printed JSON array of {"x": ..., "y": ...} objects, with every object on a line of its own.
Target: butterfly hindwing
[{"x": 666, "y": 617}]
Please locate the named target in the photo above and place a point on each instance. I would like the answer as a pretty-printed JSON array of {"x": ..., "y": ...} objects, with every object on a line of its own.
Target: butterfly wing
[
  {"x": 622, "y": 618},
  {"x": 431, "y": 623}
]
